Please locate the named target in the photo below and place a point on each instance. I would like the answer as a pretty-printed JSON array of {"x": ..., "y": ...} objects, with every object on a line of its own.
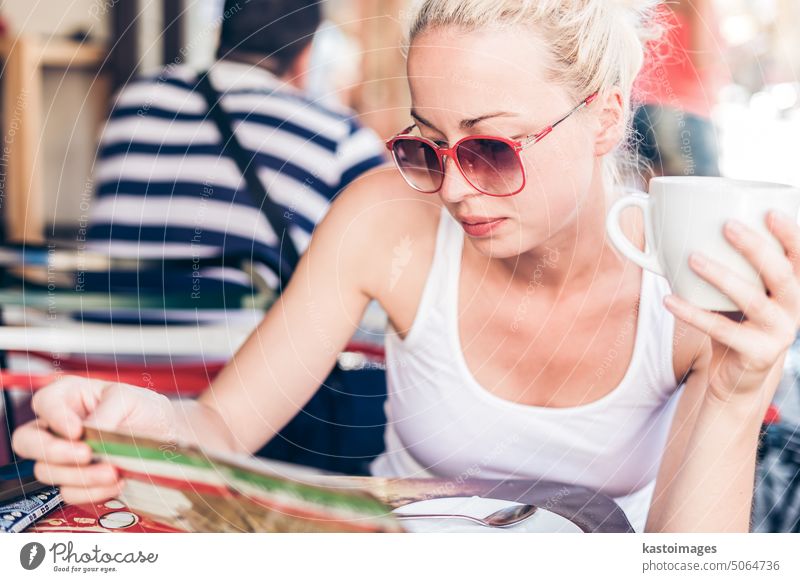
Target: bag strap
[
  {"x": 289, "y": 256},
  {"x": 274, "y": 212}
]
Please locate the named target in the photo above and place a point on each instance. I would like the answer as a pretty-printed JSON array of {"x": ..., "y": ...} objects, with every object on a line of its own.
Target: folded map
[{"x": 191, "y": 490}]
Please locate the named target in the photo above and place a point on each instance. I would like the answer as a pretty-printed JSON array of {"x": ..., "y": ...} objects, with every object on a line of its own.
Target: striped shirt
[{"x": 165, "y": 188}]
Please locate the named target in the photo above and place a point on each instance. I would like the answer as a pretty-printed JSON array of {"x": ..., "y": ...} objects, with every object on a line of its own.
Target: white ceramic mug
[{"x": 683, "y": 215}]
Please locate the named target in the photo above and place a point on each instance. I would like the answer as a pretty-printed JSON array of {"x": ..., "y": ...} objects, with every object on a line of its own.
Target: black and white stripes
[{"x": 164, "y": 187}]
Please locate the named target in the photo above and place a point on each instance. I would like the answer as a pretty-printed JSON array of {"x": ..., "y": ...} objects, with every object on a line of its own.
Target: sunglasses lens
[
  {"x": 491, "y": 165},
  {"x": 419, "y": 164}
]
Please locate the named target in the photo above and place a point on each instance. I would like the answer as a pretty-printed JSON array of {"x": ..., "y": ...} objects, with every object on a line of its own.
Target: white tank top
[{"x": 442, "y": 422}]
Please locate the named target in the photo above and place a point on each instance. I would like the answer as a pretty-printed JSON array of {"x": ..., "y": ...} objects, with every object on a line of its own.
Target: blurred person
[
  {"x": 521, "y": 345},
  {"x": 677, "y": 90},
  {"x": 166, "y": 186},
  {"x": 243, "y": 161}
]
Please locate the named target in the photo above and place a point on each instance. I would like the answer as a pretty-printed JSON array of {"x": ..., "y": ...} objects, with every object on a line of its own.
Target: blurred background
[
  {"x": 73, "y": 54},
  {"x": 63, "y": 61}
]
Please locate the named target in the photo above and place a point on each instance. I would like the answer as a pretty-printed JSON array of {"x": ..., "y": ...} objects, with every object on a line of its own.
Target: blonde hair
[{"x": 595, "y": 44}]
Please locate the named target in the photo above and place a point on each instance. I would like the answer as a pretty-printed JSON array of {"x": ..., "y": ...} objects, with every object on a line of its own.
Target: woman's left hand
[{"x": 745, "y": 354}]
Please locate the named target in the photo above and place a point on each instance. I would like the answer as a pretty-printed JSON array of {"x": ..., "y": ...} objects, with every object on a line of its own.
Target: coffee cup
[{"x": 686, "y": 214}]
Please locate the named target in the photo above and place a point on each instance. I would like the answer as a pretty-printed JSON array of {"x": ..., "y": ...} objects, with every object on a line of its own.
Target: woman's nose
[{"x": 454, "y": 186}]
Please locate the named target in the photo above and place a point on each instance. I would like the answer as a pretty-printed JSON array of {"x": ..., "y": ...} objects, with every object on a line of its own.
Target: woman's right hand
[{"x": 62, "y": 409}]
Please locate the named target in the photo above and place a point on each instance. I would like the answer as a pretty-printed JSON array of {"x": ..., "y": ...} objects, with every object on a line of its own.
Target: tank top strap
[{"x": 657, "y": 328}]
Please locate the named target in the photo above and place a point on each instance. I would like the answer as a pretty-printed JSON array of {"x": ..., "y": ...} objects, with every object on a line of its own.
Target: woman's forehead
[{"x": 470, "y": 73}]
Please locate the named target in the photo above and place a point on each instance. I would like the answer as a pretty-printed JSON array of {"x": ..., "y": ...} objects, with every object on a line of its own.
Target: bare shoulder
[{"x": 375, "y": 222}]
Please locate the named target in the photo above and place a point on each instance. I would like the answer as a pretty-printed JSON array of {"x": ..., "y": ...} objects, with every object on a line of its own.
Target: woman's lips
[{"x": 475, "y": 226}]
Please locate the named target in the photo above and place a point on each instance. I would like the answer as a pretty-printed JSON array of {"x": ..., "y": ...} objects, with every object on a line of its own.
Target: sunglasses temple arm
[
  {"x": 542, "y": 134},
  {"x": 585, "y": 103}
]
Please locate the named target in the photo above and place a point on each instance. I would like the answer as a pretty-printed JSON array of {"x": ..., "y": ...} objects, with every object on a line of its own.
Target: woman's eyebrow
[
  {"x": 419, "y": 119},
  {"x": 470, "y": 123},
  {"x": 465, "y": 123}
]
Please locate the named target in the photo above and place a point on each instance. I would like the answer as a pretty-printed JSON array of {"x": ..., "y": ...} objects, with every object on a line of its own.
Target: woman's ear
[{"x": 611, "y": 117}]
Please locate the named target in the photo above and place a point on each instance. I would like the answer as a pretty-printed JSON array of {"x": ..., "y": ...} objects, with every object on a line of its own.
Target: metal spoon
[{"x": 504, "y": 517}]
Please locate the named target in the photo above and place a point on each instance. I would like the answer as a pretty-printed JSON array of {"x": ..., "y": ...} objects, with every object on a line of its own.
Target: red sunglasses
[{"x": 491, "y": 165}]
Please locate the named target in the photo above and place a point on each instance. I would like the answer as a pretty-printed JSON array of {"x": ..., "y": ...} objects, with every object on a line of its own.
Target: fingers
[
  {"x": 34, "y": 441},
  {"x": 787, "y": 232},
  {"x": 760, "y": 349},
  {"x": 64, "y": 403},
  {"x": 60, "y": 409},
  {"x": 113, "y": 409},
  {"x": 774, "y": 268},
  {"x": 772, "y": 320},
  {"x": 750, "y": 299},
  {"x": 79, "y": 495},
  {"x": 715, "y": 325},
  {"x": 85, "y": 477},
  {"x": 66, "y": 463}
]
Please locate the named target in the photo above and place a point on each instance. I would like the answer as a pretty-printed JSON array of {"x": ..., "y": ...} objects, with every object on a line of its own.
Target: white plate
[{"x": 543, "y": 521}]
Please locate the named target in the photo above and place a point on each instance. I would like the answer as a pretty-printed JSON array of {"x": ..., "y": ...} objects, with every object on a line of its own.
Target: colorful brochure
[{"x": 187, "y": 489}]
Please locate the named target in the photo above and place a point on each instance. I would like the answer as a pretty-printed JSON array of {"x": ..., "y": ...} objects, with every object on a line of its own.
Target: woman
[{"x": 521, "y": 345}]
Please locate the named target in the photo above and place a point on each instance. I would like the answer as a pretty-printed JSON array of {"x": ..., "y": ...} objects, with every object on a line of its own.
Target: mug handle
[{"x": 623, "y": 244}]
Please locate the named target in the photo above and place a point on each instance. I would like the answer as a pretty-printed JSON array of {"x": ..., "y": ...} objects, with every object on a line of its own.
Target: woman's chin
[{"x": 497, "y": 247}]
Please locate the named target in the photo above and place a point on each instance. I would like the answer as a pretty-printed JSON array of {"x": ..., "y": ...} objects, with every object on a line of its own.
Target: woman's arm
[
  {"x": 272, "y": 376},
  {"x": 705, "y": 482},
  {"x": 683, "y": 423},
  {"x": 711, "y": 489},
  {"x": 293, "y": 350},
  {"x": 709, "y": 486},
  {"x": 291, "y": 353}
]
